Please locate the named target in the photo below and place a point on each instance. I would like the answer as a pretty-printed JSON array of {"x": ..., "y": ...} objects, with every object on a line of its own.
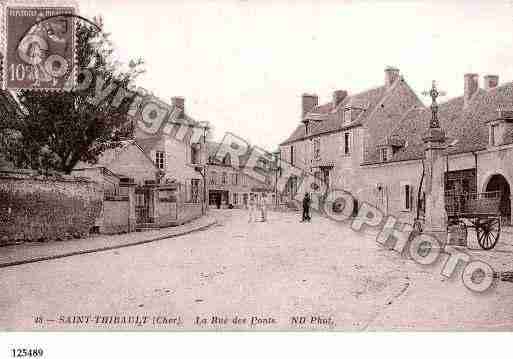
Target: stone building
[
  {"x": 230, "y": 187},
  {"x": 373, "y": 144},
  {"x": 177, "y": 149},
  {"x": 477, "y": 150},
  {"x": 332, "y": 140},
  {"x": 165, "y": 165}
]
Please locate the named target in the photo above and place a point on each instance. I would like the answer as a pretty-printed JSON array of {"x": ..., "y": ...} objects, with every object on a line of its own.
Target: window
[
  {"x": 326, "y": 177},
  {"x": 223, "y": 178},
  {"x": 407, "y": 197},
  {"x": 244, "y": 180},
  {"x": 317, "y": 149},
  {"x": 235, "y": 198},
  {"x": 318, "y": 179},
  {"x": 262, "y": 163},
  {"x": 235, "y": 178},
  {"x": 213, "y": 177},
  {"x": 293, "y": 186},
  {"x": 292, "y": 155},
  {"x": 227, "y": 161},
  {"x": 195, "y": 151},
  {"x": 159, "y": 159},
  {"x": 384, "y": 154},
  {"x": 347, "y": 115},
  {"x": 347, "y": 143},
  {"x": 194, "y": 195},
  {"x": 381, "y": 195},
  {"x": 494, "y": 135}
]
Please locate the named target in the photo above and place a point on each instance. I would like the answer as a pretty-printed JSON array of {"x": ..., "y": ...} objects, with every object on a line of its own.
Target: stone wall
[
  {"x": 492, "y": 162},
  {"x": 189, "y": 212},
  {"x": 167, "y": 212},
  {"x": 36, "y": 208},
  {"x": 116, "y": 216},
  {"x": 391, "y": 178}
]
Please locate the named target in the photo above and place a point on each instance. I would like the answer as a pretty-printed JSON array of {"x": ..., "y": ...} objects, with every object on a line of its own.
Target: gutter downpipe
[{"x": 420, "y": 189}]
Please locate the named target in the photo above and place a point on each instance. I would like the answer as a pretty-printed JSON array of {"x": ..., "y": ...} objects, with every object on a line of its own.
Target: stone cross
[{"x": 434, "y": 93}]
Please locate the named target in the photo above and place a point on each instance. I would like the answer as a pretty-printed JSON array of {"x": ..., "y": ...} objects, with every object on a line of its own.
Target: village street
[{"x": 280, "y": 269}]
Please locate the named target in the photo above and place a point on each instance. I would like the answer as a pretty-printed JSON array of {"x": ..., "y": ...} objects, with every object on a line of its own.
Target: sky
[{"x": 243, "y": 65}]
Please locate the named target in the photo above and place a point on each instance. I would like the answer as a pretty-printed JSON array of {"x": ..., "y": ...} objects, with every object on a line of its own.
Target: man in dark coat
[{"x": 306, "y": 208}]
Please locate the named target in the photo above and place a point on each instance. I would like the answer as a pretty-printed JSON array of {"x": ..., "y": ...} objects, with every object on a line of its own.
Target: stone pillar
[
  {"x": 154, "y": 204},
  {"x": 132, "y": 217},
  {"x": 436, "y": 216}
]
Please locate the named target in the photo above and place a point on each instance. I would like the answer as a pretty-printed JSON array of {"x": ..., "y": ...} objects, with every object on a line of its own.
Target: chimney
[
  {"x": 308, "y": 103},
  {"x": 179, "y": 102},
  {"x": 338, "y": 97},
  {"x": 471, "y": 85},
  {"x": 491, "y": 81},
  {"x": 391, "y": 76}
]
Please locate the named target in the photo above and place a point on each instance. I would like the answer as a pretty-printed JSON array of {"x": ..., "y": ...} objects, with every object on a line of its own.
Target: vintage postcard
[{"x": 255, "y": 166}]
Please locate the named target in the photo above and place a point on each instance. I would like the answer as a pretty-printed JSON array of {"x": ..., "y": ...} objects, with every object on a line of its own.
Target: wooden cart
[{"x": 480, "y": 211}]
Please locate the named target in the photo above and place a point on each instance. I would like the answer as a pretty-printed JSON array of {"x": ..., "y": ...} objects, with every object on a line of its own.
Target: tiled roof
[
  {"x": 214, "y": 147},
  {"x": 325, "y": 119},
  {"x": 399, "y": 100},
  {"x": 112, "y": 154},
  {"x": 378, "y": 110},
  {"x": 465, "y": 126}
]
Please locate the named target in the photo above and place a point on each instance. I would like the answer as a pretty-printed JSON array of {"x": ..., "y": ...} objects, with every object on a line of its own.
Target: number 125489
[{"x": 26, "y": 353}]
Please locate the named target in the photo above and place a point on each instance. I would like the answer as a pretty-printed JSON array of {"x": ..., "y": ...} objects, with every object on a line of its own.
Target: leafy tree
[{"x": 55, "y": 130}]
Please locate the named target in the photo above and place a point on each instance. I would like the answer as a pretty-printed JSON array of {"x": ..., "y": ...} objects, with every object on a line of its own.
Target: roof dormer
[
  {"x": 500, "y": 130},
  {"x": 389, "y": 147}
]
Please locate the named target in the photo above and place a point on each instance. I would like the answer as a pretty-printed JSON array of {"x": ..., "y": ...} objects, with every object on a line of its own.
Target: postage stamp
[{"x": 39, "y": 47}]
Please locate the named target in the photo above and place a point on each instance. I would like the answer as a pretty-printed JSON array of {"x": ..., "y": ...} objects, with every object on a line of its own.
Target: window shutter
[
  {"x": 412, "y": 198},
  {"x": 405, "y": 200},
  {"x": 407, "y": 196}
]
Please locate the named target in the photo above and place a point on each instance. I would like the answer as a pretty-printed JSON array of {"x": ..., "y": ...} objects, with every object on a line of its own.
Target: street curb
[{"x": 107, "y": 248}]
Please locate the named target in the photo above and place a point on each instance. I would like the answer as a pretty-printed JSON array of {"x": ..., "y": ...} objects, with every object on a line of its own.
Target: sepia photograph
[{"x": 255, "y": 166}]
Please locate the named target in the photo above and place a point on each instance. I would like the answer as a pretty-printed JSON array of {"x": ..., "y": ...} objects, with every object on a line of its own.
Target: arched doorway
[{"x": 499, "y": 183}]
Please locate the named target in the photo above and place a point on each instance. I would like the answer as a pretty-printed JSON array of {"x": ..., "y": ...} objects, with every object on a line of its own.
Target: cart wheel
[{"x": 488, "y": 232}]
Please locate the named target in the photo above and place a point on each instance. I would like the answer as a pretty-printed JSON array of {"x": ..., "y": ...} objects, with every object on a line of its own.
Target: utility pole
[
  {"x": 202, "y": 167},
  {"x": 277, "y": 172}
]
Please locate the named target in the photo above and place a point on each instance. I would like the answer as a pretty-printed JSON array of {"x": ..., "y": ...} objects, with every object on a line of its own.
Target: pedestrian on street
[
  {"x": 251, "y": 208},
  {"x": 258, "y": 207},
  {"x": 264, "y": 207},
  {"x": 306, "y": 208}
]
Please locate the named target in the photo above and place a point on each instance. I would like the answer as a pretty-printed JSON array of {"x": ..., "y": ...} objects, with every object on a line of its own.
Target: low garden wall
[
  {"x": 36, "y": 208},
  {"x": 189, "y": 212},
  {"x": 168, "y": 213},
  {"x": 116, "y": 216}
]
